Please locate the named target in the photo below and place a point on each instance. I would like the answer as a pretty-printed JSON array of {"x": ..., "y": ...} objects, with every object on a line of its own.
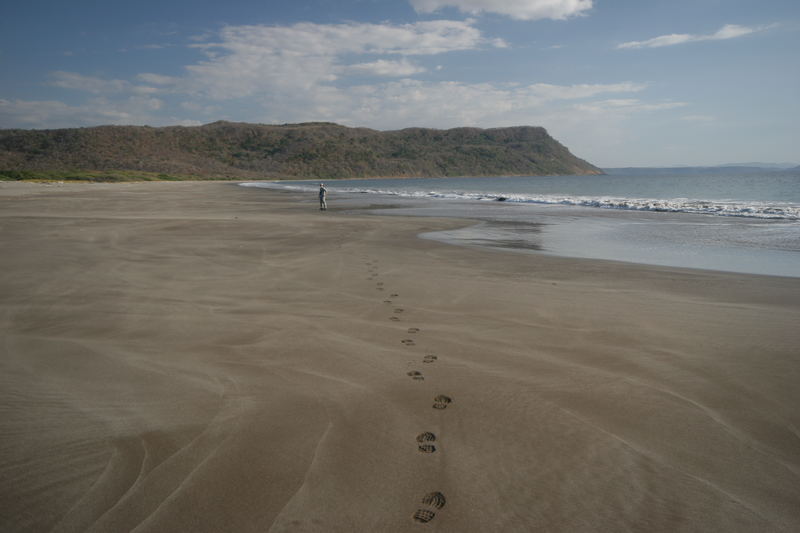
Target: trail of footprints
[{"x": 426, "y": 441}]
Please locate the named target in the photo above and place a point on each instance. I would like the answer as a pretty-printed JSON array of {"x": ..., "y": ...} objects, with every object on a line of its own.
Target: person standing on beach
[{"x": 323, "y": 192}]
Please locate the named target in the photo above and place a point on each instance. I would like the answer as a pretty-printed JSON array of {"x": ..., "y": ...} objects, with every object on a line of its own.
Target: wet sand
[{"x": 205, "y": 357}]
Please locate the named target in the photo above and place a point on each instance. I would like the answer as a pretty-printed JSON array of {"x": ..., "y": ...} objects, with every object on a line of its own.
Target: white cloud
[
  {"x": 72, "y": 80},
  {"x": 408, "y": 102},
  {"x": 420, "y": 38},
  {"x": 251, "y": 59},
  {"x": 625, "y": 105},
  {"x": 158, "y": 79},
  {"x": 41, "y": 114},
  {"x": 98, "y": 86},
  {"x": 54, "y": 114},
  {"x": 516, "y": 9},
  {"x": 384, "y": 67},
  {"x": 546, "y": 91},
  {"x": 729, "y": 31}
]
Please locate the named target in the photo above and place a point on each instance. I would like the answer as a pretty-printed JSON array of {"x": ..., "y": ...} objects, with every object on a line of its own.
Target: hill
[{"x": 226, "y": 150}]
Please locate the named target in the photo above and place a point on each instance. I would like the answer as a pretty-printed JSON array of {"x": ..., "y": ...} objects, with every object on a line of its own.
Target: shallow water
[
  {"x": 748, "y": 224},
  {"x": 771, "y": 195}
]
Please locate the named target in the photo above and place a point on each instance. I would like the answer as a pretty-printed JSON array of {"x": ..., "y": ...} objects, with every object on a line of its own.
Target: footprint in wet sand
[
  {"x": 394, "y": 295},
  {"x": 431, "y": 501},
  {"x": 441, "y": 401},
  {"x": 413, "y": 330},
  {"x": 424, "y": 442},
  {"x": 414, "y": 374},
  {"x": 394, "y": 318},
  {"x": 430, "y": 358},
  {"x": 398, "y": 310},
  {"x": 379, "y": 284},
  {"x": 387, "y": 301},
  {"x": 408, "y": 342},
  {"x": 423, "y": 516}
]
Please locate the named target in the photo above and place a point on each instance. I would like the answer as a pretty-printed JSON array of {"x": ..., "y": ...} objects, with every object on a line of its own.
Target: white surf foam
[{"x": 771, "y": 210}]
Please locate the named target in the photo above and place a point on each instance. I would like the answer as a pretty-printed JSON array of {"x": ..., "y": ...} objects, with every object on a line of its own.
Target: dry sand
[{"x": 205, "y": 357}]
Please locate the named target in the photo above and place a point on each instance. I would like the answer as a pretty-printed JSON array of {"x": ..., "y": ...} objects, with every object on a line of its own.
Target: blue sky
[{"x": 620, "y": 82}]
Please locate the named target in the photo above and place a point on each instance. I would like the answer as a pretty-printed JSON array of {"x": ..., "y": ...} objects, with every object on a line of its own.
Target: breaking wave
[{"x": 764, "y": 210}]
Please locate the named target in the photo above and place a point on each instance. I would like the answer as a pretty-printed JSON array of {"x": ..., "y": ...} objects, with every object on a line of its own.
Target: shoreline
[
  {"x": 684, "y": 239},
  {"x": 193, "y": 356}
]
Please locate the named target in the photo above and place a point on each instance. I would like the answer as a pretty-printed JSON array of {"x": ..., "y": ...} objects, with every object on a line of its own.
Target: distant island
[
  {"x": 721, "y": 170},
  {"x": 315, "y": 150}
]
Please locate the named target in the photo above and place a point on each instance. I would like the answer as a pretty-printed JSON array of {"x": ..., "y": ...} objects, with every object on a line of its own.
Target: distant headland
[{"x": 229, "y": 150}]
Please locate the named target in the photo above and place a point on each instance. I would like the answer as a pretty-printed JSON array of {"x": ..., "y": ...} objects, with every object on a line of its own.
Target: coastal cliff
[{"x": 228, "y": 150}]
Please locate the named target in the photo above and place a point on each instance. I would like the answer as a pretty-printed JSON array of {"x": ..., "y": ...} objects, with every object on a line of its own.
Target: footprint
[
  {"x": 414, "y": 374},
  {"x": 398, "y": 310},
  {"x": 408, "y": 342},
  {"x": 424, "y": 440},
  {"x": 423, "y": 516},
  {"x": 387, "y": 301},
  {"x": 379, "y": 284},
  {"x": 432, "y": 500},
  {"x": 430, "y": 358},
  {"x": 413, "y": 330},
  {"x": 394, "y": 295},
  {"x": 441, "y": 402},
  {"x": 395, "y": 318}
]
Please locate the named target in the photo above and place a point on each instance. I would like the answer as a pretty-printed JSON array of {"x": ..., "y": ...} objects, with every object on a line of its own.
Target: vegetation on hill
[{"x": 226, "y": 150}]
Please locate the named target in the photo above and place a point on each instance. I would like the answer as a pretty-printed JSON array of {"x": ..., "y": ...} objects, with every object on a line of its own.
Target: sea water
[{"x": 721, "y": 221}]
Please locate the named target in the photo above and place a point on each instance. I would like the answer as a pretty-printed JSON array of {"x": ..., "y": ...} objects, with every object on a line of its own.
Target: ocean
[{"x": 734, "y": 222}]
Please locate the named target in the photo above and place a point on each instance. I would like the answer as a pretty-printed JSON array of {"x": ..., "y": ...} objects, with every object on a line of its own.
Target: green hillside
[{"x": 226, "y": 150}]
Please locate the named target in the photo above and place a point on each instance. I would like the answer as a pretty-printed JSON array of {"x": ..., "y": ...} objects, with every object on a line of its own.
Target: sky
[{"x": 619, "y": 82}]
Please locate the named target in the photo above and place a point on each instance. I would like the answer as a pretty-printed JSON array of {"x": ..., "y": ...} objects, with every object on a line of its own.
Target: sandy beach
[{"x": 205, "y": 357}]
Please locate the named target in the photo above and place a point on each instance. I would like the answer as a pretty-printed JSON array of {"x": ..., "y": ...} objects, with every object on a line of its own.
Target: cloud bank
[{"x": 248, "y": 59}]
